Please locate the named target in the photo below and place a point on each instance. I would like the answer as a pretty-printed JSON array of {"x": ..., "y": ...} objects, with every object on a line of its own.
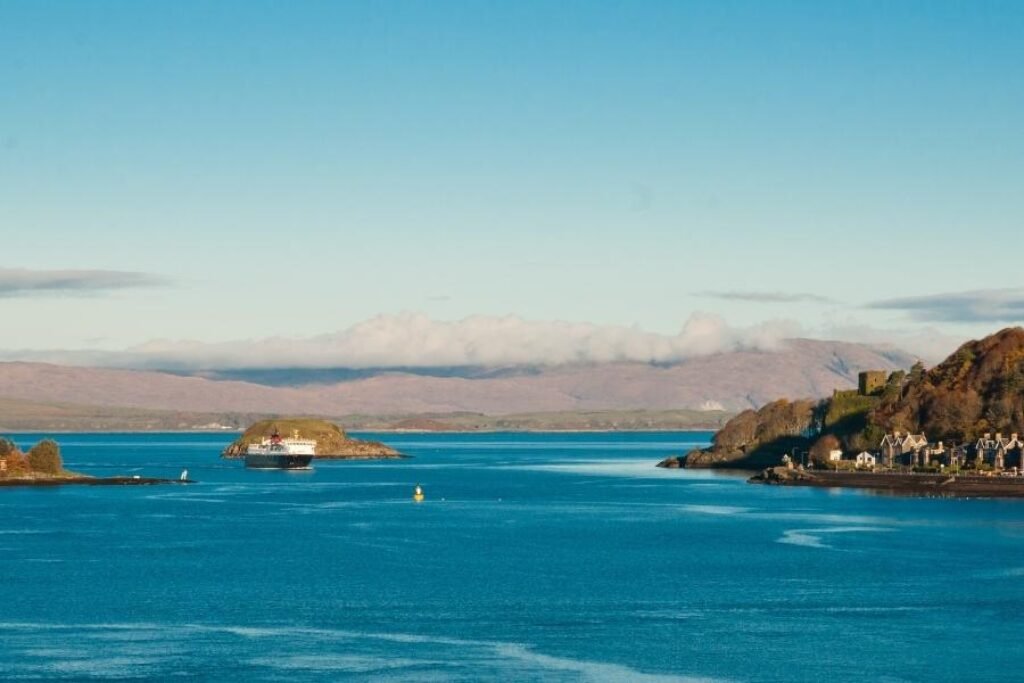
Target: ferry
[{"x": 276, "y": 453}]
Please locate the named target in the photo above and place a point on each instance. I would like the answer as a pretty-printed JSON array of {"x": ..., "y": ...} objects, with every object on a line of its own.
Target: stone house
[
  {"x": 933, "y": 453},
  {"x": 1000, "y": 452},
  {"x": 957, "y": 455},
  {"x": 904, "y": 449}
]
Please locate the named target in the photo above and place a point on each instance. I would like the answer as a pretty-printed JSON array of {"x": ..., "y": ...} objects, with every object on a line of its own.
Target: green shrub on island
[{"x": 45, "y": 457}]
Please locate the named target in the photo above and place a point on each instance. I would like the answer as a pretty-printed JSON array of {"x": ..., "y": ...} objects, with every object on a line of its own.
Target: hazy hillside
[
  {"x": 31, "y": 416},
  {"x": 732, "y": 381}
]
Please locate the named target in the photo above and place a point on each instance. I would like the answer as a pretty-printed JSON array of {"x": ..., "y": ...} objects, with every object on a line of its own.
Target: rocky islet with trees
[{"x": 42, "y": 460}]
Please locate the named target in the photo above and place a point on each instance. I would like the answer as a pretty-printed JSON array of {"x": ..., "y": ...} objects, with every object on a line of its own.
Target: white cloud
[
  {"x": 415, "y": 340},
  {"x": 977, "y": 306}
]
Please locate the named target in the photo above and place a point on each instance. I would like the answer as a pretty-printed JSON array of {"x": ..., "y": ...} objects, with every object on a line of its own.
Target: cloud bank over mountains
[{"x": 416, "y": 340}]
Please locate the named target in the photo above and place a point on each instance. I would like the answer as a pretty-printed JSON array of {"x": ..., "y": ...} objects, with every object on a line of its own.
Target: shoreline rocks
[
  {"x": 673, "y": 462},
  {"x": 944, "y": 485},
  {"x": 81, "y": 480}
]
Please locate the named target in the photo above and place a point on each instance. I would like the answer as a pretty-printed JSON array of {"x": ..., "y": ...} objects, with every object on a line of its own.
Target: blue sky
[{"x": 295, "y": 168}]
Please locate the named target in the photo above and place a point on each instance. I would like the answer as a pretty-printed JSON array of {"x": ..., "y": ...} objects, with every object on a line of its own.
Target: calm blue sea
[{"x": 558, "y": 557}]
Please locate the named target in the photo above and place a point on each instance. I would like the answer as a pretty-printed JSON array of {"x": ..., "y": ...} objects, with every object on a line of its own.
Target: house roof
[
  {"x": 1007, "y": 443},
  {"x": 905, "y": 440}
]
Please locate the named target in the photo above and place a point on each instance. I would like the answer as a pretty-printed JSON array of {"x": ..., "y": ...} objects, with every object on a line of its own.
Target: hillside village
[
  {"x": 898, "y": 450},
  {"x": 966, "y": 413}
]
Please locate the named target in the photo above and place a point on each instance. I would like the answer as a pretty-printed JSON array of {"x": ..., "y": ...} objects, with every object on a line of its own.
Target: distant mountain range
[{"x": 727, "y": 381}]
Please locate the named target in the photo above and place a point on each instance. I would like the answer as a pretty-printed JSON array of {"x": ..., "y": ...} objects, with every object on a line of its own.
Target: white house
[
  {"x": 835, "y": 455},
  {"x": 865, "y": 459}
]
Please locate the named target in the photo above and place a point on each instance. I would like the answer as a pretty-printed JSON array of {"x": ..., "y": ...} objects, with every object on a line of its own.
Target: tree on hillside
[
  {"x": 738, "y": 432},
  {"x": 15, "y": 459},
  {"x": 45, "y": 457},
  {"x": 822, "y": 448},
  {"x": 917, "y": 372}
]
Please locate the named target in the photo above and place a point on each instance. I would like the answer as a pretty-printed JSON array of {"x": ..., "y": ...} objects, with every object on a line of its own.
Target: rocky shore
[
  {"x": 971, "y": 486},
  {"x": 82, "y": 480}
]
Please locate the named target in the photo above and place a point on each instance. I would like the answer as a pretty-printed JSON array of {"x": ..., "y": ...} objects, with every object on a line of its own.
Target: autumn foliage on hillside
[{"x": 978, "y": 389}]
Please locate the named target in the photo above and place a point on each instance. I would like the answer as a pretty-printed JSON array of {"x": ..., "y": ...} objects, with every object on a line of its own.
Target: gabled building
[
  {"x": 901, "y": 448},
  {"x": 865, "y": 460},
  {"x": 957, "y": 456},
  {"x": 998, "y": 451},
  {"x": 933, "y": 453}
]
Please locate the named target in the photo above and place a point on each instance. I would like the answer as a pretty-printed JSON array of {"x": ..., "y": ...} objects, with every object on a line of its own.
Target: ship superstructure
[{"x": 275, "y": 452}]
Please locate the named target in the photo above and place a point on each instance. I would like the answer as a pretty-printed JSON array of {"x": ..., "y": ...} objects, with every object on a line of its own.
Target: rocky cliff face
[
  {"x": 756, "y": 439},
  {"x": 331, "y": 440}
]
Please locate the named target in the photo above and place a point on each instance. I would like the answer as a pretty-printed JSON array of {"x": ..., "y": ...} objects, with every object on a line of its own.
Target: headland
[{"x": 952, "y": 430}]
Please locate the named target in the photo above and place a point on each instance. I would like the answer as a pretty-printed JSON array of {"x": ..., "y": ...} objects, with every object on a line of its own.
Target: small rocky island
[
  {"x": 44, "y": 466},
  {"x": 331, "y": 440}
]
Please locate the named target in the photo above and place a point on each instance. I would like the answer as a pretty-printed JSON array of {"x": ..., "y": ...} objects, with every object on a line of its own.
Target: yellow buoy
[{"x": 417, "y": 494}]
